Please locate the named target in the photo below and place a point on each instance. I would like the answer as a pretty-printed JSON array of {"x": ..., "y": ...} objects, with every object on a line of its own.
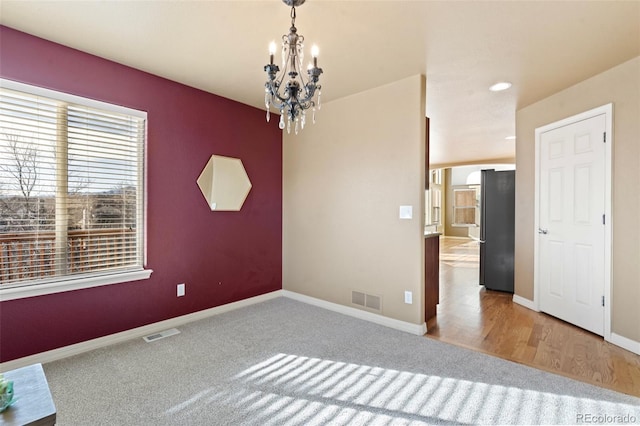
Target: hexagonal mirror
[{"x": 224, "y": 183}]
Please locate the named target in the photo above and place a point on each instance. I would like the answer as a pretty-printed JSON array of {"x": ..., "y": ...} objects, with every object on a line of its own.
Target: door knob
[{"x": 542, "y": 231}]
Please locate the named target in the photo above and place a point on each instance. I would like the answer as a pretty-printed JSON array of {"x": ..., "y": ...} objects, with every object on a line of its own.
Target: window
[
  {"x": 433, "y": 200},
  {"x": 465, "y": 206},
  {"x": 71, "y": 191},
  {"x": 436, "y": 176},
  {"x": 435, "y": 206}
]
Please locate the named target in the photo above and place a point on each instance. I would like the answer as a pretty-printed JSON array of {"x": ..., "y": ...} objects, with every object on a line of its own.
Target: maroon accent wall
[{"x": 221, "y": 256}]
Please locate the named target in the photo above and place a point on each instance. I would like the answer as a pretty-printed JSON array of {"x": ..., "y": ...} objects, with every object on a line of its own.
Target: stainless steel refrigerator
[{"x": 497, "y": 227}]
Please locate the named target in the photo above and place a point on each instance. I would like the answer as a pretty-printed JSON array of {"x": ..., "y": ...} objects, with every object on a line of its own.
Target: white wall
[{"x": 344, "y": 180}]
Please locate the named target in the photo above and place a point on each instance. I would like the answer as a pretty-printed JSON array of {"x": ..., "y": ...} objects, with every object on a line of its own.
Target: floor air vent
[
  {"x": 365, "y": 300},
  {"x": 157, "y": 336}
]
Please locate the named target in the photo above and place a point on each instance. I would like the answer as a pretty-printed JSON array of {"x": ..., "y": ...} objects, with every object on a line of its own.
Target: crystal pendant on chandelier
[{"x": 297, "y": 94}]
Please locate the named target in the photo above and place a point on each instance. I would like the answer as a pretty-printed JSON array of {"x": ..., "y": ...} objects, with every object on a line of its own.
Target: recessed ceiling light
[
  {"x": 503, "y": 85},
  {"x": 510, "y": 138}
]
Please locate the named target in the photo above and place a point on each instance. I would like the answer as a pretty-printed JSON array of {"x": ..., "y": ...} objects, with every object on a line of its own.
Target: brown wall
[{"x": 620, "y": 86}]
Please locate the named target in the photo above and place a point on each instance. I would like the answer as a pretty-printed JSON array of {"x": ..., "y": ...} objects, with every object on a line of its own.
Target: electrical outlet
[
  {"x": 180, "y": 291},
  {"x": 408, "y": 297}
]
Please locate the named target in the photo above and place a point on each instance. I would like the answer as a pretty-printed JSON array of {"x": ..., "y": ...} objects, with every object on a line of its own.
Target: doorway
[{"x": 572, "y": 263}]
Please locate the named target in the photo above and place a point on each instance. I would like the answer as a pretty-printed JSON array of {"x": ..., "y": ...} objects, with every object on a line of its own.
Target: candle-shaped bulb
[
  {"x": 272, "y": 51},
  {"x": 314, "y": 53}
]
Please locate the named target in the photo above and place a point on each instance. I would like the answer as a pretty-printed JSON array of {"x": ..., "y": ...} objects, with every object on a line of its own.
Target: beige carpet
[{"x": 283, "y": 362}]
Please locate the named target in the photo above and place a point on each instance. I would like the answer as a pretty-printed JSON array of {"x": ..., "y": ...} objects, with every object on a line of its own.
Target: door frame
[{"x": 607, "y": 110}]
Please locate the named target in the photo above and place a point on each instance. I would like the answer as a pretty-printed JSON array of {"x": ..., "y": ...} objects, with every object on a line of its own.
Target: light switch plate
[{"x": 406, "y": 212}]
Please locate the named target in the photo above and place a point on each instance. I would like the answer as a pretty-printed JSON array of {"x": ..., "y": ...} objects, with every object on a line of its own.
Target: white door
[{"x": 571, "y": 219}]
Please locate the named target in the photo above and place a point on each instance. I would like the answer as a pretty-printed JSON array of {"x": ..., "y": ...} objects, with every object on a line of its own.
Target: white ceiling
[{"x": 462, "y": 46}]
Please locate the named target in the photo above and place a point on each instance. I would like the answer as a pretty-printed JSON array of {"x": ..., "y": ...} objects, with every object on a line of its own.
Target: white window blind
[{"x": 71, "y": 188}]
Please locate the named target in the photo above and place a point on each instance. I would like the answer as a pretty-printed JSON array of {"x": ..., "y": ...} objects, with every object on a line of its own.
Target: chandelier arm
[
  {"x": 311, "y": 86},
  {"x": 278, "y": 106},
  {"x": 274, "y": 91},
  {"x": 308, "y": 100},
  {"x": 299, "y": 63},
  {"x": 278, "y": 83},
  {"x": 286, "y": 64},
  {"x": 283, "y": 100}
]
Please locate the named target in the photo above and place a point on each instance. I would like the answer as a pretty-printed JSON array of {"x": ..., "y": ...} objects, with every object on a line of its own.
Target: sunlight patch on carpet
[{"x": 291, "y": 389}]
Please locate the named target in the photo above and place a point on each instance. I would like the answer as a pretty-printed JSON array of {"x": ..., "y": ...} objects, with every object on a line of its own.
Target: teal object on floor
[{"x": 6, "y": 398}]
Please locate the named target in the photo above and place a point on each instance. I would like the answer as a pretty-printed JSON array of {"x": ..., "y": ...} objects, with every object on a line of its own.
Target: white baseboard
[
  {"x": 417, "y": 329},
  {"x": 139, "y": 332},
  {"x": 625, "y": 343},
  {"x": 78, "y": 348},
  {"x": 525, "y": 302}
]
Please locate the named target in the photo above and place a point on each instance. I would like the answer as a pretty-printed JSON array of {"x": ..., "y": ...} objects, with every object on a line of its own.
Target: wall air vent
[
  {"x": 161, "y": 335},
  {"x": 372, "y": 302},
  {"x": 367, "y": 301},
  {"x": 358, "y": 298}
]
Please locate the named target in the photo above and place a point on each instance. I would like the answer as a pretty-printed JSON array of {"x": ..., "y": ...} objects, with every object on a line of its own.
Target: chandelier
[{"x": 295, "y": 96}]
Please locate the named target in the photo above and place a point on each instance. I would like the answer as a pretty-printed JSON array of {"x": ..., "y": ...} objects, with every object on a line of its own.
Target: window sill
[{"x": 79, "y": 283}]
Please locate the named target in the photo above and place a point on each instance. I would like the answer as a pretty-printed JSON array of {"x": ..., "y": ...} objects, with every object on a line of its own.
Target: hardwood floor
[{"x": 489, "y": 322}]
